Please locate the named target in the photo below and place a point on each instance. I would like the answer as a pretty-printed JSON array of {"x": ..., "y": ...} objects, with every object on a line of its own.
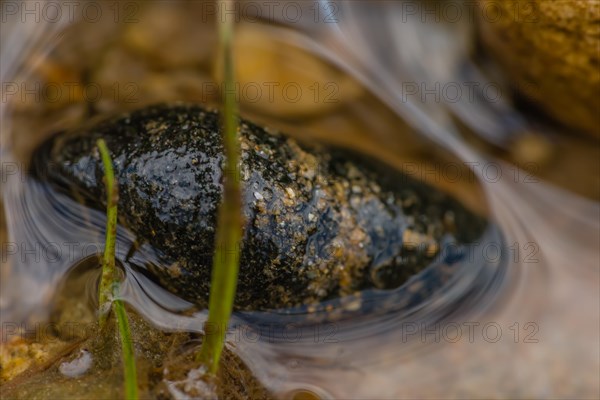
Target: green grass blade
[
  {"x": 229, "y": 228},
  {"x": 109, "y": 277},
  {"x": 108, "y": 261},
  {"x": 131, "y": 387}
]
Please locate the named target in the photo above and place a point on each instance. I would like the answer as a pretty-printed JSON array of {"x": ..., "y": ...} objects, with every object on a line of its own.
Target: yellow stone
[
  {"x": 279, "y": 79},
  {"x": 551, "y": 49}
]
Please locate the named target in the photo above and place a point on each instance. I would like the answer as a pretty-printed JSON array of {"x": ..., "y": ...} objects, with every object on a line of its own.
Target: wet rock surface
[{"x": 319, "y": 223}]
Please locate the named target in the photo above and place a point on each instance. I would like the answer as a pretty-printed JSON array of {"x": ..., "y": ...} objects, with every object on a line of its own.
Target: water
[{"x": 518, "y": 318}]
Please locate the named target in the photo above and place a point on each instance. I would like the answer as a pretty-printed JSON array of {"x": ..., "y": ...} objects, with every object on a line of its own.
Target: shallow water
[{"x": 519, "y": 316}]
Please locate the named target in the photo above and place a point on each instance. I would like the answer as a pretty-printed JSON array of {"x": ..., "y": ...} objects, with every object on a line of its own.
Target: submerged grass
[
  {"x": 229, "y": 225},
  {"x": 108, "y": 283},
  {"x": 129, "y": 367}
]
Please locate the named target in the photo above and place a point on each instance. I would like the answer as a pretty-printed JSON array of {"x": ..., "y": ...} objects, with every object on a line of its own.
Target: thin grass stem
[
  {"x": 109, "y": 274},
  {"x": 129, "y": 367},
  {"x": 108, "y": 284},
  {"x": 229, "y": 224}
]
